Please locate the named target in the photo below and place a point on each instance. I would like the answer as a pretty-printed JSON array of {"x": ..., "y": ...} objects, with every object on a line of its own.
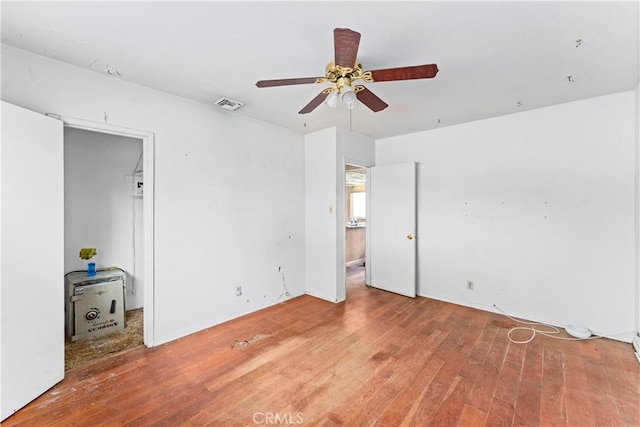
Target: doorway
[
  {"x": 355, "y": 226},
  {"x": 136, "y": 212},
  {"x": 103, "y": 199}
]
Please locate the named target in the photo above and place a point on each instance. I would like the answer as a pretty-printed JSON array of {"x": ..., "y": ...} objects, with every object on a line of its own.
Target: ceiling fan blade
[
  {"x": 405, "y": 73},
  {"x": 314, "y": 103},
  {"x": 369, "y": 99},
  {"x": 345, "y": 43},
  {"x": 286, "y": 82}
]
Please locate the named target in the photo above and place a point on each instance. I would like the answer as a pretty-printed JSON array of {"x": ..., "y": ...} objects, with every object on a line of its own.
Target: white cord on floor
[{"x": 548, "y": 333}]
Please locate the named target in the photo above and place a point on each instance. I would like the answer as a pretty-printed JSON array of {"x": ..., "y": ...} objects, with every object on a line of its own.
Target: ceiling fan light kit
[
  {"x": 348, "y": 95},
  {"x": 332, "y": 99},
  {"x": 345, "y": 69}
]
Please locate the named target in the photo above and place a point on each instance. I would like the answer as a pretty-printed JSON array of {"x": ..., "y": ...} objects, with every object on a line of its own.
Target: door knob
[{"x": 410, "y": 236}]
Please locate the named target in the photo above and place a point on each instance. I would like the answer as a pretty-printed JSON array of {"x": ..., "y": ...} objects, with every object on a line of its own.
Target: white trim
[
  {"x": 367, "y": 230},
  {"x": 636, "y": 304},
  {"x": 148, "y": 203}
]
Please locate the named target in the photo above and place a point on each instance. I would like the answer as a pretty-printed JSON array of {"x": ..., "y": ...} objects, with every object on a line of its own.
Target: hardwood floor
[{"x": 378, "y": 359}]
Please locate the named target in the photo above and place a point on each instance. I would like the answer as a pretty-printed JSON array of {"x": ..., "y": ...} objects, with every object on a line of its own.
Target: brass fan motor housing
[{"x": 341, "y": 76}]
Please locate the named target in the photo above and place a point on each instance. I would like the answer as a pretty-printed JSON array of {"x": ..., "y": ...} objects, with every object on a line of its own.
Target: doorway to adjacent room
[{"x": 355, "y": 224}]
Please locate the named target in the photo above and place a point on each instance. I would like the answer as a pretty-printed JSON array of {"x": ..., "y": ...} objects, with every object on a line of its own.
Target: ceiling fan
[{"x": 346, "y": 69}]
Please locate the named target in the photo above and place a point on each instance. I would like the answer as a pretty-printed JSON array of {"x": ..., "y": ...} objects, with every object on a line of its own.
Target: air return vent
[{"x": 228, "y": 104}]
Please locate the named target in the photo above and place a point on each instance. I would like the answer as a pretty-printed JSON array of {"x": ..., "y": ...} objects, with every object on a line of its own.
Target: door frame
[{"x": 148, "y": 205}]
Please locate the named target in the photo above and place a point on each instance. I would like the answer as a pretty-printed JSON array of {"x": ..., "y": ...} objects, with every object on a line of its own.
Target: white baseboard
[{"x": 636, "y": 346}]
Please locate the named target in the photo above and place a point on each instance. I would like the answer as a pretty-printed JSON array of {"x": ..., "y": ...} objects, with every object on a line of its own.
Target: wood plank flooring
[{"x": 379, "y": 359}]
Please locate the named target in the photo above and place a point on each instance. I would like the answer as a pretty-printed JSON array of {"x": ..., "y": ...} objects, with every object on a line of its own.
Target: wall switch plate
[
  {"x": 469, "y": 285},
  {"x": 238, "y": 291}
]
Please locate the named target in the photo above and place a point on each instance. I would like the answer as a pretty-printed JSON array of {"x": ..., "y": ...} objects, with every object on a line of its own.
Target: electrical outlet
[
  {"x": 238, "y": 291},
  {"x": 469, "y": 285}
]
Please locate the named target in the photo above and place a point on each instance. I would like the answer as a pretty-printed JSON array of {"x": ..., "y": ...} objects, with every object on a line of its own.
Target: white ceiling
[{"x": 495, "y": 58}]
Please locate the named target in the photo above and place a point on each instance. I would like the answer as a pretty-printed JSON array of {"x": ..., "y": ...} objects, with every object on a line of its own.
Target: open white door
[
  {"x": 32, "y": 256},
  {"x": 392, "y": 223}
]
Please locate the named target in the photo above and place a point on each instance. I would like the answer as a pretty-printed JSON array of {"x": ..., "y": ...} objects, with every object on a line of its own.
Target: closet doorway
[{"x": 109, "y": 206}]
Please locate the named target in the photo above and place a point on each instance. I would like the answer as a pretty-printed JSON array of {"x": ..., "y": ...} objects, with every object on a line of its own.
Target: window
[{"x": 359, "y": 205}]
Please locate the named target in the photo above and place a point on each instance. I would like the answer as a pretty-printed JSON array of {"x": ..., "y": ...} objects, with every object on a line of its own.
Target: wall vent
[{"x": 228, "y": 104}]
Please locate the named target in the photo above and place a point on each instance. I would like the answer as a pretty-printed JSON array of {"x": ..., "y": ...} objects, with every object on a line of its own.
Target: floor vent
[{"x": 228, "y": 104}]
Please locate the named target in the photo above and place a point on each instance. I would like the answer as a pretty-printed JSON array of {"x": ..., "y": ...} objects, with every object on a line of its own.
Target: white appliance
[{"x": 94, "y": 305}]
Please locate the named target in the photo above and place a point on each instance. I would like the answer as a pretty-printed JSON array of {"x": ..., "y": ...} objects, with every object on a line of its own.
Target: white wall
[
  {"x": 320, "y": 212},
  {"x": 637, "y": 210},
  {"x": 326, "y": 152},
  {"x": 229, "y": 199},
  {"x": 536, "y": 208},
  {"x": 99, "y": 207}
]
